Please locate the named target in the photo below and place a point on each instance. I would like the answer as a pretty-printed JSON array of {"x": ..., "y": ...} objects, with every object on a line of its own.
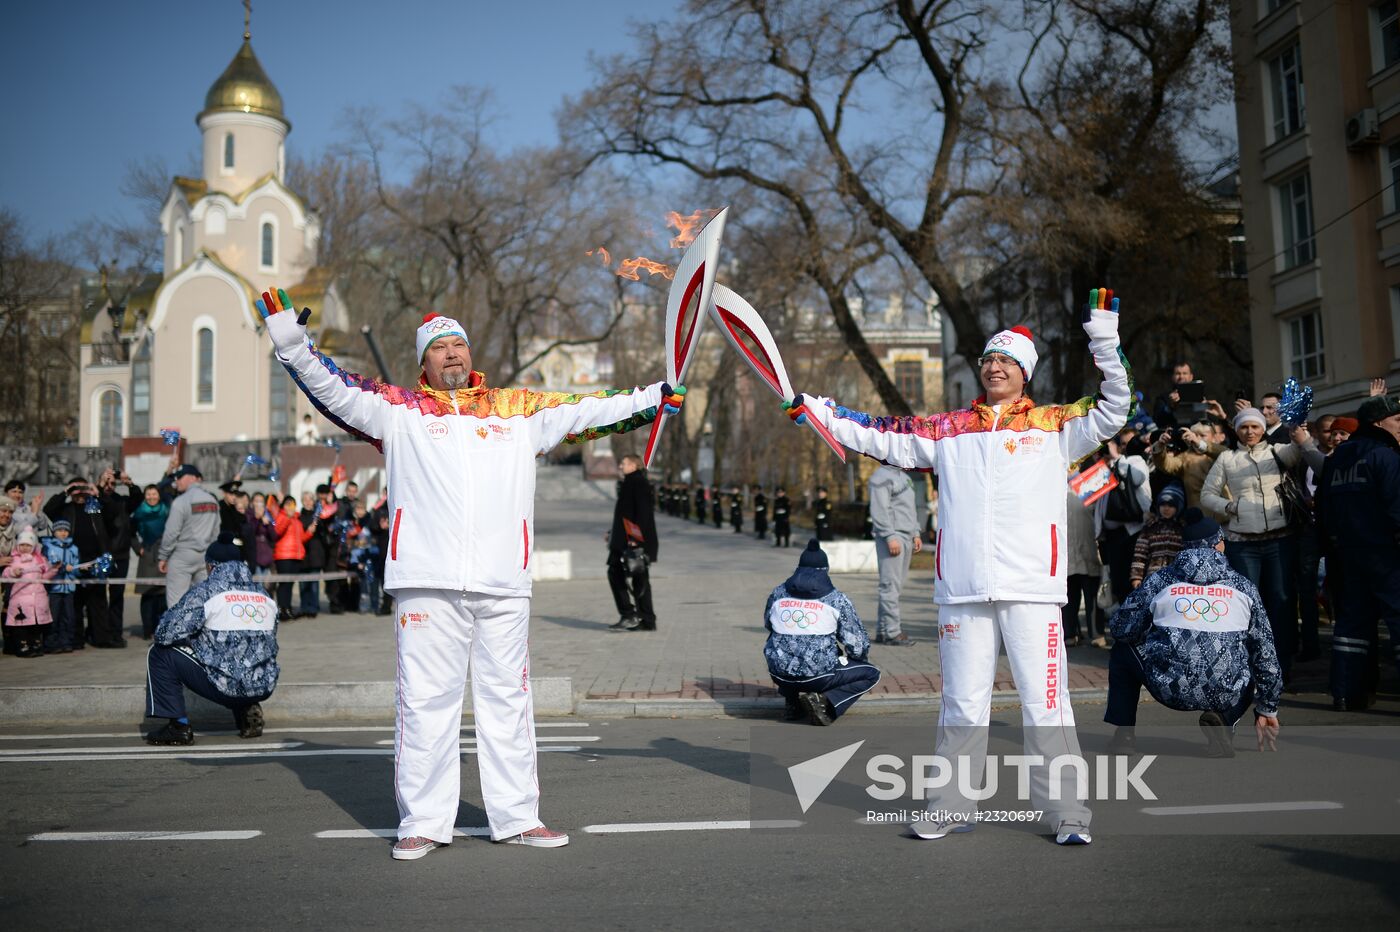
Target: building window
[
  {"x": 141, "y": 390},
  {"x": 228, "y": 151},
  {"x": 909, "y": 379},
  {"x": 281, "y": 402},
  {"x": 179, "y": 254},
  {"x": 267, "y": 249},
  {"x": 1395, "y": 321},
  {"x": 204, "y": 375},
  {"x": 1388, "y": 31},
  {"x": 1306, "y": 357},
  {"x": 1295, "y": 206},
  {"x": 1271, "y": 5},
  {"x": 1391, "y": 179},
  {"x": 109, "y": 417},
  {"x": 1286, "y": 84}
]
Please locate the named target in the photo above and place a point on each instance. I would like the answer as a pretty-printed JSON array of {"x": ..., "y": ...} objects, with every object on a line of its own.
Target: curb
[
  {"x": 308, "y": 702},
  {"x": 374, "y": 701},
  {"x": 754, "y": 707}
]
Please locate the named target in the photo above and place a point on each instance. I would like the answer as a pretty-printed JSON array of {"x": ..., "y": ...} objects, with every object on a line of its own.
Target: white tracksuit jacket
[
  {"x": 460, "y": 463},
  {"x": 1001, "y": 476}
]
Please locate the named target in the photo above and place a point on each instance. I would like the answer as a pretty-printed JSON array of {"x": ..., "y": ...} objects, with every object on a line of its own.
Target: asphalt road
[{"x": 290, "y": 823}]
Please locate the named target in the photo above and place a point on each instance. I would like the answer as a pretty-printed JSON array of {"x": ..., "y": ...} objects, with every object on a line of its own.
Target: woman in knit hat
[{"x": 1243, "y": 489}]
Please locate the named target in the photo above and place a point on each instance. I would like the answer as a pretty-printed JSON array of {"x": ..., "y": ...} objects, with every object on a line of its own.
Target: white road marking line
[
  {"x": 1228, "y": 808},
  {"x": 627, "y": 827},
  {"x": 390, "y": 741},
  {"x": 458, "y": 832},
  {"x": 315, "y": 730},
  {"x": 195, "y": 755},
  {"x": 144, "y": 836},
  {"x": 150, "y": 749}
]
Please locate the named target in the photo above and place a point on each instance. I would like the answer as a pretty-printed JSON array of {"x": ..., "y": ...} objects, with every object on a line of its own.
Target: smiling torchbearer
[
  {"x": 460, "y": 467},
  {"x": 999, "y": 569}
]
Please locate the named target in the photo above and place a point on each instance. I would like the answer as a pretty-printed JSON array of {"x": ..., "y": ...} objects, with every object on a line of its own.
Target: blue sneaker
[{"x": 1073, "y": 833}]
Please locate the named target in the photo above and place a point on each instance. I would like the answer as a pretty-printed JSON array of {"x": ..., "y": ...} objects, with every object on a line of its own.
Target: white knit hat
[
  {"x": 1251, "y": 414},
  {"x": 1016, "y": 343},
  {"x": 27, "y": 536},
  {"x": 434, "y": 326}
]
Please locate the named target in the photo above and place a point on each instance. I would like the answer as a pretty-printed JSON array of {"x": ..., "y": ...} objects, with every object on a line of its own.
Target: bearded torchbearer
[
  {"x": 460, "y": 466},
  {"x": 999, "y": 569}
]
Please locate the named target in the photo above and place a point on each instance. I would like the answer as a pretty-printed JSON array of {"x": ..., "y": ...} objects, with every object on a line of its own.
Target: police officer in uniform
[
  {"x": 736, "y": 510},
  {"x": 782, "y": 529},
  {"x": 821, "y": 511},
  {"x": 716, "y": 506},
  {"x": 700, "y": 504},
  {"x": 760, "y": 513}
]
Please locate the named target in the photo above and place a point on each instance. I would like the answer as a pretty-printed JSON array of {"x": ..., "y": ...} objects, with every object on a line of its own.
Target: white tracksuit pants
[
  {"x": 439, "y": 634},
  {"x": 969, "y": 636}
]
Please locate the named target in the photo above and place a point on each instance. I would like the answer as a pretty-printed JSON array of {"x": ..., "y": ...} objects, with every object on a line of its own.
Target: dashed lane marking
[
  {"x": 458, "y": 832},
  {"x": 148, "y": 749},
  {"x": 618, "y": 828},
  {"x": 315, "y": 730},
  {"x": 1228, "y": 808},
  {"x": 128, "y": 754},
  {"x": 144, "y": 836}
]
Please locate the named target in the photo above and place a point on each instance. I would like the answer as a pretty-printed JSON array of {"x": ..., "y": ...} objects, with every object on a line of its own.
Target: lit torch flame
[
  {"x": 602, "y": 253},
  {"x": 631, "y": 269},
  {"x": 688, "y": 227}
]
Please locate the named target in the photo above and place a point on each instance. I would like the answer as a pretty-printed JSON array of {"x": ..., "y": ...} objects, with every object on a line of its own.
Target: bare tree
[
  {"x": 778, "y": 96},
  {"x": 424, "y": 215},
  {"x": 38, "y": 325}
]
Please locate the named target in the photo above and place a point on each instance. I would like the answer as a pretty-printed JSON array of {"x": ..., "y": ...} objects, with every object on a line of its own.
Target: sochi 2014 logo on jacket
[{"x": 1201, "y": 608}]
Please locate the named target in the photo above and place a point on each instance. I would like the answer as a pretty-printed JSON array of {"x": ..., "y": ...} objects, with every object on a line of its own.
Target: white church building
[{"x": 190, "y": 353}]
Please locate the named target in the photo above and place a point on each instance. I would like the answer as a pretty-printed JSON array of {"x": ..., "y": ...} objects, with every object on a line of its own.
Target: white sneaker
[
  {"x": 540, "y": 837},
  {"x": 411, "y": 849},
  {"x": 1073, "y": 833},
  {"x": 928, "y": 831}
]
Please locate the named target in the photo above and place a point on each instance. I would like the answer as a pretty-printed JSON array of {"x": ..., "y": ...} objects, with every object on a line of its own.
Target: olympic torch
[{"x": 687, "y": 306}]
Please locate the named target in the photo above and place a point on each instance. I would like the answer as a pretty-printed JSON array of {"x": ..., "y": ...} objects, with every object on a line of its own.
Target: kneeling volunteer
[
  {"x": 816, "y": 645},
  {"x": 220, "y": 640},
  {"x": 1195, "y": 633}
]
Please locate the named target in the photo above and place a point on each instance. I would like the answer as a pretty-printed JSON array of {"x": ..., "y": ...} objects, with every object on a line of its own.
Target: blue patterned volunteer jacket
[
  {"x": 806, "y": 616},
  {"x": 229, "y": 625},
  {"x": 1200, "y": 631}
]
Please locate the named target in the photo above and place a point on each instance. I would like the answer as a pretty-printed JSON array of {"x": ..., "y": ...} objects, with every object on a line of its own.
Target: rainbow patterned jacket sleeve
[
  {"x": 577, "y": 418},
  {"x": 1090, "y": 421},
  {"x": 348, "y": 400}
]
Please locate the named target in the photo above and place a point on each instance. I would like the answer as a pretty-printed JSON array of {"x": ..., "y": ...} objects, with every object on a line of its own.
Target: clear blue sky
[{"x": 91, "y": 86}]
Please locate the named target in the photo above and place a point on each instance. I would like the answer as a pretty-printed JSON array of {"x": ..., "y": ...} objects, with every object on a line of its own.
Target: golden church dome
[{"x": 244, "y": 88}]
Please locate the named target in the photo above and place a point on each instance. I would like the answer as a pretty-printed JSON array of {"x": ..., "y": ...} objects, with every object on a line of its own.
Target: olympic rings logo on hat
[
  {"x": 1201, "y": 609},
  {"x": 439, "y": 324},
  {"x": 254, "y": 613},
  {"x": 1001, "y": 339},
  {"x": 796, "y": 617}
]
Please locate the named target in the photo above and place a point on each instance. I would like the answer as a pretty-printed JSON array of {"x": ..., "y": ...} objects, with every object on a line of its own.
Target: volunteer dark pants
[
  {"x": 1368, "y": 591},
  {"x": 1125, "y": 682},
  {"x": 169, "y": 670},
  {"x": 841, "y": 687},
  {"x": 628, "y": 589},
  {"x": 90, "y": 613}
]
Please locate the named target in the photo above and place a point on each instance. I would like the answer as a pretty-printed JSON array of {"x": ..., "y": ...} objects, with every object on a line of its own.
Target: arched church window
[
  {"x": 204, "y": 377},
  {"x": 268, "y": 251},
  {"x": 228, "y": 150},
  {"x": 109, "y": 423}
]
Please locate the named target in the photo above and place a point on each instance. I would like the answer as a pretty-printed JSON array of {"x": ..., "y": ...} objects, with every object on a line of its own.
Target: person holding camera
[
  {"x": 78, "y": 504},
  {"x": 118, "y": 506},
  {"x": 632, "y": 547},
  {"x": 1186, "y": 455}
]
